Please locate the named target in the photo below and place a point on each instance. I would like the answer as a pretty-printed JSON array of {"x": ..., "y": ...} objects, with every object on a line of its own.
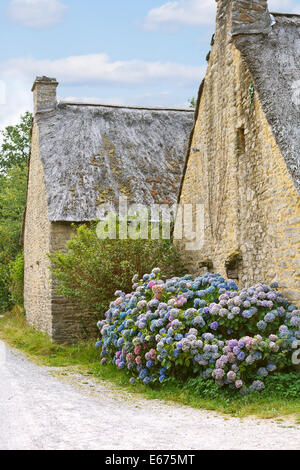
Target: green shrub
[
  {"x": 91, "y": 269},
  {"x": 5, "y": 297},
  {"x": 17, "y": 280},
  {"x": 284, "y": 385}
]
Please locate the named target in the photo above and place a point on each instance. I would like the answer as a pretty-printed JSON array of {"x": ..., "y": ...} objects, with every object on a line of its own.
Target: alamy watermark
[{"x": 138, "y": 221}]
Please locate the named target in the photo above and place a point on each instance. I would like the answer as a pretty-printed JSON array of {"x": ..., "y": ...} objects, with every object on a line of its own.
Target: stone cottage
[
  {"x": 244, "y": 157},
  {"x": 82, "y": 156}
]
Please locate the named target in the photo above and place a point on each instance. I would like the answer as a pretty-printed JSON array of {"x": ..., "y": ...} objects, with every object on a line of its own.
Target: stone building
[
  {"x": 82, "y": 156},
  {"x": 244, "y": 157}
]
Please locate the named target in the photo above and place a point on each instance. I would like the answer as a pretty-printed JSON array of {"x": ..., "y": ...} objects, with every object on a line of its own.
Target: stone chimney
[
  {"x": 250, "y": 17},
  {"x": 44, "y": 94}
]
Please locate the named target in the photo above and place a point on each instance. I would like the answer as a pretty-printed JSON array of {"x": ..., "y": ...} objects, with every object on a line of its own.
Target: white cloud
[
  {"x": 98, "y": 68},
  {"x": 284, "y": 6},
  {"x": 172, "y": 15},
  {"x": 36, "y": 13},
  {"x": 17, "y": 102}
]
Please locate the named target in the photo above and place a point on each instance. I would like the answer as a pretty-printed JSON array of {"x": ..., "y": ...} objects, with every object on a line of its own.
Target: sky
[{"x": 128, "y": 52}]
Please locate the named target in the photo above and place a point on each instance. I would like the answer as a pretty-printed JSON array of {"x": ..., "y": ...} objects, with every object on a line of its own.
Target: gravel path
[{"x": 44, "y": 408}]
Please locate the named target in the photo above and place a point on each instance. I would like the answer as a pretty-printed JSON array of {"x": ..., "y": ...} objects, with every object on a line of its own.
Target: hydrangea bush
[{"x": 186, "y": 327}]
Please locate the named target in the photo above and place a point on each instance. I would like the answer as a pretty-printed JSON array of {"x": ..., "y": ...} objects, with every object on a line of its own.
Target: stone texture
[
  {"x": 238, "y": 171},
  {"x": 44, "y": 94},
  {"x": 37, "y": 283},
  {"x": 250, "y": 17}
]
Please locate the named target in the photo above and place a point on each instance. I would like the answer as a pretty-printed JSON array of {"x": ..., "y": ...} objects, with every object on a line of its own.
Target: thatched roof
[
  {"x": 274, "y": 62},
  {"x": 93, "y": 154}
]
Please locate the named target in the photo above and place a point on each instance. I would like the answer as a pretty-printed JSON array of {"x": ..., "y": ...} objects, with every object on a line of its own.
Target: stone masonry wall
[
  {"x": 235, "y": 168},
  {"x": 37, "y": 286}
]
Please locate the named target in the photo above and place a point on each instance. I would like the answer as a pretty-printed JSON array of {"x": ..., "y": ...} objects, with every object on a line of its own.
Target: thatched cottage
[
  {"x": 243, "y": 163},
  {"x": 244, "y": 158},
  {"x": 82, "y": 156}
]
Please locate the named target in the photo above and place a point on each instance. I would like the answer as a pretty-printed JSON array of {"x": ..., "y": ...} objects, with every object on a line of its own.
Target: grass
[
  {"x": 274, "y": 402},
  {"x": 38, "y": 346}
]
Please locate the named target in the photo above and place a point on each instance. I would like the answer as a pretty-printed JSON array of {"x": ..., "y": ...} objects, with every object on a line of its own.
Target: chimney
[
  {"x": 44, "y": 94},
  {"x": 251, "y": 17}
]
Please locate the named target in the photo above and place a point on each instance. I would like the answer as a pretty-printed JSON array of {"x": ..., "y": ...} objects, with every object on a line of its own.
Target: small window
[
  {"x": 241, "y": 140},
  {"x": 233, "y": 266},
  {"x": 206, "y": 265}
]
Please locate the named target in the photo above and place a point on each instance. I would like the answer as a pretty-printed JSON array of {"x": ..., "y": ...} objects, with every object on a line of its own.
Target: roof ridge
[
  {"x": 150, "y": 108},
  {"x": 289, "y": 15}
]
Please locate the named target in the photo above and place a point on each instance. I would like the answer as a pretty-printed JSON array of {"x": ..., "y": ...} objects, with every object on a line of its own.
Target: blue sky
[{"x": 139, "y": 52}]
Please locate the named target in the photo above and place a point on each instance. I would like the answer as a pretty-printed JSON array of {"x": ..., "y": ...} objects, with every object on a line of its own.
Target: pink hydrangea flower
[
  {"x": 137, "y": 350},
  {"x": 152, "y": 353},
  {"x": 130, "y": 357},
  {"x": 181, "y": 302},
  {"x": 141, "y": 304},
  {"x": 118, "y": 301},
  {"x": 138, "y": 360},
  {"x": 151, "y": 283}
]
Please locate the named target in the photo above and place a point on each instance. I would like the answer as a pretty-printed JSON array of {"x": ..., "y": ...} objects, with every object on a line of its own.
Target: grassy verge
[{"x": 280, "y": 398}]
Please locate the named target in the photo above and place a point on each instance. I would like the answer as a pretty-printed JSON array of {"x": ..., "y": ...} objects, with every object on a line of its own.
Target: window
[
  {"x": 206, "y": 265},
  {"x": 233, "y": 266},
  {"x": 241, "y": 140}
]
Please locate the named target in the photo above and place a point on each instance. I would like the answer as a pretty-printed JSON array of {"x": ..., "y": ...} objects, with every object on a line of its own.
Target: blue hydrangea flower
[{"x": 261, "y": 325}]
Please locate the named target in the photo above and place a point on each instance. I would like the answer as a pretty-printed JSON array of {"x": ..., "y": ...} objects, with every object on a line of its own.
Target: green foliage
[
  {"x": 15, "y": 331},
  {"x": 204, "y": 388},
  {"x": 284, "y": 385},
  {"x": 16, "y": 144},
  {"x": 12, "y": 204},
  {"x": 192, "y": 103},
  {"x": 17, "y": 279},
  {"x": 91, "y": 269},
  {"x": 281, "y": 385},
  {"x": 13, "y": 180}
]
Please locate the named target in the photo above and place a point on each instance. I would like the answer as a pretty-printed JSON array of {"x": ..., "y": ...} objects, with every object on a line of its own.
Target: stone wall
[
  {"x": 37, "y": 284},
  {"x": 235, "y": 168}
]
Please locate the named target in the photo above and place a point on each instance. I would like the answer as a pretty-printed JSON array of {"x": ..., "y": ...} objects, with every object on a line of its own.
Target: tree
[
  {"x": 13, "y": 181},
  {"x": 12, "y": 204},
  {"x": 192, "y": 103},
  {"x": 16, "y": 144}
]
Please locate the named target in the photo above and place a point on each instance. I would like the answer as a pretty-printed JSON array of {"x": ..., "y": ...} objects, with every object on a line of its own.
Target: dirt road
[{"x": 39, "y": 410}]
